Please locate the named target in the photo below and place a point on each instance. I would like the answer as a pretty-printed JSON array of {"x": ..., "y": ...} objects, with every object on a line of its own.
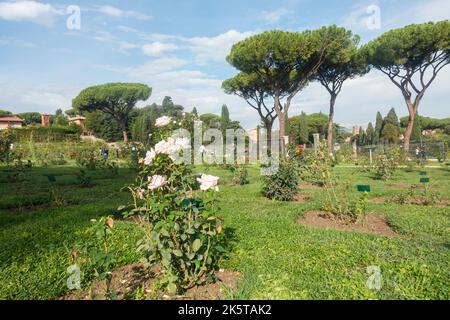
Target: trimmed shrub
[
  {"x": 283, "y": 185},
  {"x": 46, "y": 134}
]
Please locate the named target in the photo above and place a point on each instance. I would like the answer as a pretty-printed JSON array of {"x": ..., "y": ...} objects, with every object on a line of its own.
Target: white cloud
[
  {"x": 394, "y": 15},
  {"x": 215, "y": 48},
  {"x": 104, "y": 36},
  {"x": 431, "y": 10},
  {"x": 358, "y": 17},
  {"x": 205, "y": 49},
  {"x": 110, "y": 11},
  {"x": 10, "y": 41},
  {"x": 127, "y": 29},
  {"x": 274, "y": 16},
  {"x": 162, "y": 37},
  {"x": 119, "y": 13},
  {"x": 32, "y": 11},
  {"x": 122, "y": 46},
  {"x": 19, "y": 96},
  {"x": 148, "y": 69},
  {"x": 158, "y": 48},
  {"x": 190, "y": 88}
]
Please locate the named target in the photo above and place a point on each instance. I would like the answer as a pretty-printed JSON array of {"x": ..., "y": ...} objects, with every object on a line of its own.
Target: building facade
[{"x": 10, "y": 122}]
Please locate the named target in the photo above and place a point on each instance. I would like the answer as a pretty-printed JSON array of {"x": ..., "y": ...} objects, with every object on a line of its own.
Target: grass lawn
[{"x": 278, "y": 258}]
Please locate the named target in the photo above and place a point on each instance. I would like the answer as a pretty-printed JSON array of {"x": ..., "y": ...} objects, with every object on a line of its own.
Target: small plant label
[
  {"x": 424, "y": 180},
  {"x": 423, "y": 173},
  {"x": 363, "y": 188}
]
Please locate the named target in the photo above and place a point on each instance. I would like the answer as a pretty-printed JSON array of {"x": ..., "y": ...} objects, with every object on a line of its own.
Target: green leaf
[
  {"x": 165, "y": 233},
  {"x": 172, "y": 288},
  {"x": 196, "y": 245},
  {"x": 177, "y": 252}
]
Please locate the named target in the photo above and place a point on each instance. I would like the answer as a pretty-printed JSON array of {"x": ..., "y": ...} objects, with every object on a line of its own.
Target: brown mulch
[
  {"x": 302, "y": 197},
  {"x": 373, "y": 223},
  {"x": 130, "y": 278}
]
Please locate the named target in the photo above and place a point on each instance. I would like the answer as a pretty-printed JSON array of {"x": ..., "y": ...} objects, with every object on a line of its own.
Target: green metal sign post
[
  {"x": 363, "y": 188},
  {"x": 424, "y": 180}
]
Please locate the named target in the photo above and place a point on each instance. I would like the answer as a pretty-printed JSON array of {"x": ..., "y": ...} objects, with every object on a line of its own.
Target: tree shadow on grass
[{"x": 25, "y": 234}]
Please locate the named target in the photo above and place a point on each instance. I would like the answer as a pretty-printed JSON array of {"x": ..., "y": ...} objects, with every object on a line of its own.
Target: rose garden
[{"x": 136, "y": 203}]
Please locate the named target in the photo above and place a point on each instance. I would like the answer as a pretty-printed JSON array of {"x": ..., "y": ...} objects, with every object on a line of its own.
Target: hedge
[{"x": 46, "y": 134}]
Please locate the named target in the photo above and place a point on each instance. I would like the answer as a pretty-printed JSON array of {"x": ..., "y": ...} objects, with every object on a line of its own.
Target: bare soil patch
[
  {"x": 231, "y": 184},
  {"x": 134, "y": 281},
  {"x": 418, "y": 201},
  {"x": 309, "y": 186},
  {"x": 404, "y": 186},
  {"x": 302, "y": 197},
  {"x": 373, "y": 223}
]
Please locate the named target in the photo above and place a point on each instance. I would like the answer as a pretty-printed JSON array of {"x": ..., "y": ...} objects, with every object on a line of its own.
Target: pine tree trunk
[
  {"x": 123, "y": 126},
  {"x": 412, "y": 109},
  {"x": 268, "y": 126},
  {"x": 331, "y": 126},
  {"x": 282, "y": 121}
]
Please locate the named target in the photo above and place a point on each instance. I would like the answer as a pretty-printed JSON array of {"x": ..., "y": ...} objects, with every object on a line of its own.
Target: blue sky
[{"x": 179, "y": 47}]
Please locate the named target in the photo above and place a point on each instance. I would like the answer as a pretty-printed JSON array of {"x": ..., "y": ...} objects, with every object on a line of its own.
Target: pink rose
[{"x": 156, "y": 182}]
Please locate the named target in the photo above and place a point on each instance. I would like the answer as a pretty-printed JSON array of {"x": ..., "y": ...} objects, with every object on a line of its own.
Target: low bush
[
  {"x": 386, "y": 164},
  {"x": 6, "y": 140},
  {"x": 309, "y": 166},
  {"x": 240, "y": 175},
  {"x": 416, "y": 195},
  {"x": 283, "y": 185}
]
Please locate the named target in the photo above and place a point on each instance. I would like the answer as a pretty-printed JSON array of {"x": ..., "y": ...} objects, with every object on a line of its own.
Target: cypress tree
[
  {"x": 303, "y": 132},
  {"x": 378, "y": 127},
  {"x": 391, "y": 127},
  {"x": 392, "y": 118},
  {"x": 370, "y": 133},
  {"x": 225, "y": 118},
  {"x": 195, "y": 113}
]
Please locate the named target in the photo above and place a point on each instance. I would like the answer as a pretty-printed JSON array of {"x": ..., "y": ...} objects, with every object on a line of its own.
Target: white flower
[
  {"x": 161, "y": 147},
  {"x": 183, "y": 143},
  {"x": 156, "y": 182},
  {"x": 172, "y": 146},
  {"x": 166, "y": 146},
  {"x": 149, "y": 157},
  {"x": 208, "y": 182},
  {"x": 163, "y": 121}
]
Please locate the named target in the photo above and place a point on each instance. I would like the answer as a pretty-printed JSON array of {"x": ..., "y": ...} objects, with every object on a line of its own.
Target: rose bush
[
  {"x": 6, "y": 140},
  {"x": 182, "y": 231}
]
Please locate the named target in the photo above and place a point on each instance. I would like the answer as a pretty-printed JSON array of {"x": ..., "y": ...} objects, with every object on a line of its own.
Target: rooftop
[
  {"x": 77, "y": 118},
  {"x": 10, "y": 119}
]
